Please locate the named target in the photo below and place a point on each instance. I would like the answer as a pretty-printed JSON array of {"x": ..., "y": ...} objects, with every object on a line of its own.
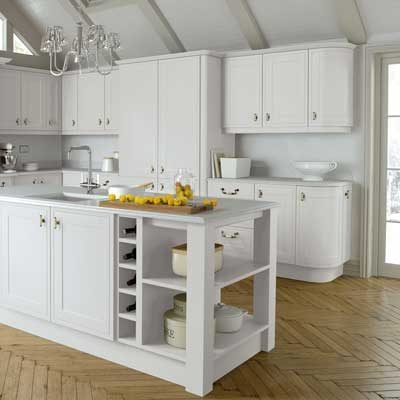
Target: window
[
  {"x": 2, "y": 33},
  {"x": 20, "y": 47}
]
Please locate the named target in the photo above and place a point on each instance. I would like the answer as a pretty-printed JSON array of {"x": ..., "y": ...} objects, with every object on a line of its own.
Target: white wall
[
  {"x": 102, "y": 146},
  {"x": 273, "y": 154},
  {"x": 44, "y": 149}
]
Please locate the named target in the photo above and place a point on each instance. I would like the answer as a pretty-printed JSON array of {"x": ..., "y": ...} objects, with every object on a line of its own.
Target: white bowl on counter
[
  {"x": 229, "y": 319},
  {"x": 314, "y": 170}
]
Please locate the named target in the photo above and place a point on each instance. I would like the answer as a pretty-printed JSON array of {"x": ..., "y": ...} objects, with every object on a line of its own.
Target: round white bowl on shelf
[{"x": 315, "y": 170}]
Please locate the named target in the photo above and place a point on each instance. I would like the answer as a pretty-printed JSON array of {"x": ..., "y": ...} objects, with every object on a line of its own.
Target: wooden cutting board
[{"x": 189, "y": 209}]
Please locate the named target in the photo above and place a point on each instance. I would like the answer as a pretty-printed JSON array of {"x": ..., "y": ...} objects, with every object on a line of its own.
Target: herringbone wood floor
[{"x": 334, "y": 341}]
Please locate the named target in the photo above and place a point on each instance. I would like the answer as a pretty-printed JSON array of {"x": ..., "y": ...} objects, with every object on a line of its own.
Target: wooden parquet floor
[{"x": 334, "y": 341}]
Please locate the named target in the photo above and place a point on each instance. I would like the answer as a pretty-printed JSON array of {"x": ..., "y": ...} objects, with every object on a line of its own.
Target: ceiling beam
[
  {"x": 248, "y": 24},
  {"x": 350, "y": 21},
  {"x": 77, "y": 9},
  {"x": 22, "y": 24},
  {"x": 101, "y": 5},
  {"x": 161, "y": 25}
]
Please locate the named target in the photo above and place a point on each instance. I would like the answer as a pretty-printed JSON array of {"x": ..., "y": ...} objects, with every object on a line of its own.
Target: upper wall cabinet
[
  {"x": 308, "y": 90},
  {"x": 243, "y": 92},
  {"x": 29, "y": 101},
  {"x": 331, "y": 87},
  {"x": 90, "y": 103}
]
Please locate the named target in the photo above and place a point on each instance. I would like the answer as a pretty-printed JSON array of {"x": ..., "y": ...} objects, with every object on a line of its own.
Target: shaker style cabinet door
[
  {"x": 285, "y": 94},
  {"x": 82, "y": 247},
  {"x": 33, "y": 101},
  {"x": 91, "y": 102},
  {"x": 319, "y": 227},
  {"x": 53, "y": 103},
  {"x": 243, "y": 92},
  {"x": 112, "y": 103},
  {"x": 138, "y": 134},
  {"x": 25, "y": 272},
  {"x": 286, "y": 197},
  {"x": 331, "y": 87},
  {"x": 179, "y": 116},
  {"x": 69, "y": 103},
  {"x": 10, "y": 99}
]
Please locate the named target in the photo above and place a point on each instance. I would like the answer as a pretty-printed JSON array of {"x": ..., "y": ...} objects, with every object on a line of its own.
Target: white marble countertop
[
  {"x": 35, "y": 195},
  {"x": 285, "y": 181},
  {"x": 53, "y": 171}
]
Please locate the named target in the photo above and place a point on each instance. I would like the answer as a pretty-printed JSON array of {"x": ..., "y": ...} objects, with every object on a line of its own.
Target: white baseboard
[{"x": 352, "y": 268}]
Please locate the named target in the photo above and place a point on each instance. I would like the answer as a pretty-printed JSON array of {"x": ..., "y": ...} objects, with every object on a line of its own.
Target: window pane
[
  {"x": 393, "y": 196},
  {"x": 20, "y": 47},
  {"x": 394, "y": 89},
  {"x": 393, "y": 142},
  {"x": 1, "y": 34},
  {"x": 392, "y": 243}
]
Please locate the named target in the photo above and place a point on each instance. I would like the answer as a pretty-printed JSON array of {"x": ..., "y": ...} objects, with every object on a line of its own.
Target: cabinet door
[
  {"x": 319, "y": 227},
  {"x": 285, "y": 90},
  {"x": 82, "y": 271},
  {"x": 139, "y": 120},
  {"x": 347, "y": 222},
  {"x": 25, "y": 265},
  {"x": 243, "y": 92},
  {"x": 286, "y": 197},
  {"x": 91, "y": 102},
  {"x": 69, "y": 102},
  {"x": 10, "y": 99},
  {"x": 112, "y": 103},
  {"x": 179, "y": 116},
  {"x": 331, "y": 87},
  {"x": 53, "y": 103},
  {"x": 33, "y": 100}
]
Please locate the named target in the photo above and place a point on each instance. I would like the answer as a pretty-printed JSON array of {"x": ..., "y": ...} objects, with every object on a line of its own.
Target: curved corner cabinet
[{"x": 314, "y": 229}]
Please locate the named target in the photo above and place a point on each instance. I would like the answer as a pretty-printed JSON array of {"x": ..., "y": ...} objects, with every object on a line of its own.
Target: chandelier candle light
[{"x": 86, "y": 49}]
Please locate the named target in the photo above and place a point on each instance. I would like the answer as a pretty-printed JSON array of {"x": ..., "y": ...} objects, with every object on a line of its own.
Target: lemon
[
  {"x": 156, "y": 200},
  {"x": 130, "y": 197},
  {"x": 171, "y": 201},
  {"x": 214, "y": 202},
  {"x": 138, "y": 199},
  {"x": 177, "y": 202},
  {"x": 206, "y": 202},
  {"x": 112, "y": 197},
  {"x": 122, "y": 198}
]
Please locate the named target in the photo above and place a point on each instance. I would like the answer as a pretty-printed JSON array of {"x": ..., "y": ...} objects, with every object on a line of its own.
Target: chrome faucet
[{"x": 90, "y": 185}]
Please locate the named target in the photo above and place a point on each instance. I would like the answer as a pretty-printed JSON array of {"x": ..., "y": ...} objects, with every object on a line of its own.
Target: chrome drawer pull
[
  {"x": 260, "y": 194},
  {"x": 234, "y": 193},
  {"x": 347, "y": 194},
  {"x": 229, "y": 236}
]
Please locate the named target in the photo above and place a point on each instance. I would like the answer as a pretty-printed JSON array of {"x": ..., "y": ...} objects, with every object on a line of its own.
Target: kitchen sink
[{"x": 70, "y": 198}]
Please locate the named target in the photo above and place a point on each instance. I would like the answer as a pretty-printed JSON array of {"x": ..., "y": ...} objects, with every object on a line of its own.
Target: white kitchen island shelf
[{"x": 128, "y": 298}]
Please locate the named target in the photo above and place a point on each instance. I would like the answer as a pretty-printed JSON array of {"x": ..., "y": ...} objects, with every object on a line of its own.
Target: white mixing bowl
[{"x": 315, "y": 170}]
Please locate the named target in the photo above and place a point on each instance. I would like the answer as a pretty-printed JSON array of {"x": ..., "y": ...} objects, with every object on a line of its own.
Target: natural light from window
[
  {"x": 20, "y": 47},
  {"x": 2, "y": 36}
]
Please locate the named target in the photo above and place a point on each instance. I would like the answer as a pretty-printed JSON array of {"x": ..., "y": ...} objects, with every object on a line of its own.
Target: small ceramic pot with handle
[{"x": 229, "y": 318}]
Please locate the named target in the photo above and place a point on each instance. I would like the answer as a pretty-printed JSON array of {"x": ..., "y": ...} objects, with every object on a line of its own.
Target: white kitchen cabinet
[
  {"x": 347, "y": 195},
  {"x": 82, "y": 247},
  {"x": 33, "y": 100},
  {"x": 285, "y": 89},
  {"x": 10, "y": 99},
  {"x": 38, "y": 179},
  {"x": 25, "y": 272},
  {"x": 286, "y": 197},
  {"x": 91, "y": 95},
  {"x": 231, "y": 189},
  {"x": 138, "y": 141},
  {"x": 112, "y": 101},
  {"x": 70, "y": 102},
  {"x": 179, "y": 116},
  {"x": 331, "y": 87},
  {"x": 319, "y": 235},
  {"x": 237, "y": 241},
  {"x": 6, "y": 182},
  {"x": 243, "y": 91},
  {"x": 53, "y": 103}
]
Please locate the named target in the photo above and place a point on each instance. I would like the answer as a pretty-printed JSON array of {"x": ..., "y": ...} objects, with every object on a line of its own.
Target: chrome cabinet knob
[
  {"x": 260, "y": 194},
  {"x": 152, "y": 170},
  {"x": 26, "y": 121},
  {"x": 267, "y": 117},
  {"x": 314, "y": 116},
  {"x": 108, "y": 121},
  {"x": 106, "y": 182},
  {"x": 57, "y": 223},
  {"x": 347, "y": 194},
  {"x": 18, "y": 121},
  {"x": 255, "y": 117},
  {"x": 73, "y": 122},
  {"x": 100, "y": 121},
  {"x": 42, "y": 220},
  {"x": 162, "y": 170},
  {"x": 234, "y": 193},
  {"x": 302, "y": 196},
  {"x": 2, "y": 184},
  {"x": 162, "y": 187}
]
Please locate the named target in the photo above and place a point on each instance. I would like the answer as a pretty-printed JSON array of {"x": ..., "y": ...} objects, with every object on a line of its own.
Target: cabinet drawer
[
  {"x": 5, "y": 182},
  {"x": 237, "y": 241},
  {"x": 50, "y": 179},
  {"x": 231, "y": 190}
]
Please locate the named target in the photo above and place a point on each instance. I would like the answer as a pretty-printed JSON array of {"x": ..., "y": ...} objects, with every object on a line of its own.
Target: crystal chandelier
[{"x": 86, "y": 50}]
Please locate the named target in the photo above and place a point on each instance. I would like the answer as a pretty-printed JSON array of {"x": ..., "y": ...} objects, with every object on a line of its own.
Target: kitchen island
[{"x": 63, "y": 277}]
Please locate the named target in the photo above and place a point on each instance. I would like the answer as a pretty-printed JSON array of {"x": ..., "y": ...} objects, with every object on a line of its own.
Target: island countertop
[{"x": 36, "y": 195}]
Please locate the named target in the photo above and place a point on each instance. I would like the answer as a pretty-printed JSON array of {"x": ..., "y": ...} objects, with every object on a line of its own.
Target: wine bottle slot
[
  {"x": 129, "y": 231},
  {"x": 132, "y": 281},
  {"x": 130, "y": 256}
]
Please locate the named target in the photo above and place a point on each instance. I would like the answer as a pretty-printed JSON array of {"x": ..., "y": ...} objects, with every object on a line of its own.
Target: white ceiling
[{"x": 209, "y": 24}]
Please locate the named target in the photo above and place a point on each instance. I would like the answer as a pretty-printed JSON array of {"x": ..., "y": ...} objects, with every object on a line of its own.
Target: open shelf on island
[
  {"x": 129, "y": 340},
  {"x": 130, "y": 316},
  {"x": 234, "y": 270}
]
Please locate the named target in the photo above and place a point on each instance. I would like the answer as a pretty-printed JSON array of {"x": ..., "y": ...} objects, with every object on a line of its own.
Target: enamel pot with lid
[{"x": 229, "y": 319}]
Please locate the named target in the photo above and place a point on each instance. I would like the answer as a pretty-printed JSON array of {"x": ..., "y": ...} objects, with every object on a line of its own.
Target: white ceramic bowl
[
  {"x": 315, "y": 170},
  {"x": 229, "y": 319}
]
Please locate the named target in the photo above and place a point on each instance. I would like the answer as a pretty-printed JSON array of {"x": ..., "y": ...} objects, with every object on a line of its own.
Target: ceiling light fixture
[{"x": 87, "y": 50}]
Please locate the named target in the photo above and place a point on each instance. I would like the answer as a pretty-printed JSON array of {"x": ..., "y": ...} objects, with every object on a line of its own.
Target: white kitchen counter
[{"x": 76, "y": 293}]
